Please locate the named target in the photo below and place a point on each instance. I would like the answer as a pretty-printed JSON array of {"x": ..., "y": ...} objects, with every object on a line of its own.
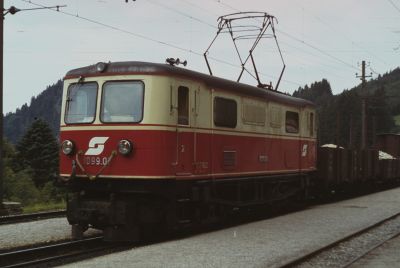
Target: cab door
[{"x": 184, "y": 132}]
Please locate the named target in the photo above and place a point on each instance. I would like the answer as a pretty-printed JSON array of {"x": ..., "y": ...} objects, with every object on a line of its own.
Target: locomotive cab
[
  {"x": 105, "y": 127},
  {"x": 113, "y": 132}
]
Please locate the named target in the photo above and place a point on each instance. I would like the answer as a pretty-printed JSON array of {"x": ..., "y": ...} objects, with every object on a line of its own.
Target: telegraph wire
[{"x": 373, "y": 71}]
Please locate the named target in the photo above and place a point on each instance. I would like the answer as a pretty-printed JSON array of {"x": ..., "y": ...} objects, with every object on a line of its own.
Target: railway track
[
  {"x": 350, "y": 249},
  {"x": 31, "y": 217},
  {"x": 58, "y": 253},
  {"x": 366, "y": 252}
]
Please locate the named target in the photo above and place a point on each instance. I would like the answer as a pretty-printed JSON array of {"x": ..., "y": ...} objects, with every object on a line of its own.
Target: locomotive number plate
[{"x": 95, "y": 161}]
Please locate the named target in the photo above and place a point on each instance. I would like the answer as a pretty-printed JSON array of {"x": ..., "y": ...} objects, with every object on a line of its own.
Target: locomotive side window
[
  {"x": 183, "y": 105},
  {"x": 122, "y": 101},
  {"x": 81, "y": 103},
  {"x": 225, "y": 112},
  {"x": 292, "y": 122}
]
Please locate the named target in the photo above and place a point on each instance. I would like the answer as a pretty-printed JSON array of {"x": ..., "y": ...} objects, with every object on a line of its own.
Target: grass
[{"x": 39, "y": 207}]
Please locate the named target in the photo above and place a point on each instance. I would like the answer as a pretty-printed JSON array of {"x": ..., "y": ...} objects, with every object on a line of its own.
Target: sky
[{"x": 318, "y": 39}]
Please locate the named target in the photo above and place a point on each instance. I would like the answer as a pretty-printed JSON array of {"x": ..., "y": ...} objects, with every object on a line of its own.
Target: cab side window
[{"x": 183, "y": 106}]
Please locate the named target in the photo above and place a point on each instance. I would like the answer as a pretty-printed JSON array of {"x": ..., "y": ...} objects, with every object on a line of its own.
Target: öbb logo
[{"x": 96, "y": 145}]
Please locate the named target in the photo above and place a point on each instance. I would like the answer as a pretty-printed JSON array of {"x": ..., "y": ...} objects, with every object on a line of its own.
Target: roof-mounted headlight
[
  {"x": 125, "y": 147},
  {"x": 101, "y": 67},
  {"x": 67, "y": 147}
]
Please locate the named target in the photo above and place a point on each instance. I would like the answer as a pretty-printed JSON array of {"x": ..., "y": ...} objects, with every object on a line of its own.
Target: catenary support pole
[
  {"x": 363, "y": 106},
  {"x": 1, "y": 108}
]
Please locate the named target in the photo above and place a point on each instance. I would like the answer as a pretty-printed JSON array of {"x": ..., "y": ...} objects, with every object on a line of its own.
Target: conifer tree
[{"x": 38, "y": 150}]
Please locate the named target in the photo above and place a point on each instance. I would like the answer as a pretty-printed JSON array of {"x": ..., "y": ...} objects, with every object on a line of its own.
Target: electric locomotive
[{"x": 148, "y": 146}]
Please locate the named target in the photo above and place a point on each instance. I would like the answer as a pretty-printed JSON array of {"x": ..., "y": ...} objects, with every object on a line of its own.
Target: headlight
[
  {"x": 101, "y": 66},
  {"x": 67, "y": 147},
  {"x": 125, "y": 147}
]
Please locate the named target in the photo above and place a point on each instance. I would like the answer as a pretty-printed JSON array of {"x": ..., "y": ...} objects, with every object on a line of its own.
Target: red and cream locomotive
[{"x": 146, "y": 145}]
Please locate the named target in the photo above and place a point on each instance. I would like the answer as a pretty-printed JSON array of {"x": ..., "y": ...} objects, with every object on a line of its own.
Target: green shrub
[
  {"x": 20, "y": 187},
  {"x": 51, "y": 193}
]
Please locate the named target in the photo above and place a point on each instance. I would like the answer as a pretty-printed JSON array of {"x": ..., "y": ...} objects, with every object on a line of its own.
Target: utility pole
[{"x": 363, "y": 106}]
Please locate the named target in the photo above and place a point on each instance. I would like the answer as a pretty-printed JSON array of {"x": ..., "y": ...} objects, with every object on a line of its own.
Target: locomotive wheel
[{"x": 77, "y": 231}]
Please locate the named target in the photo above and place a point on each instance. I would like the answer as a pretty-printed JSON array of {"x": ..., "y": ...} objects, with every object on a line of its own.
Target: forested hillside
[
  {"x": 46, "y": 106},
  {"x": 339, "y": 115}
]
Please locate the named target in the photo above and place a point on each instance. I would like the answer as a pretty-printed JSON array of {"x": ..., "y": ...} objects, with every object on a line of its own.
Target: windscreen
[
  {"x": 81, "y": 103},
  {"x": 122, "y": 102}
]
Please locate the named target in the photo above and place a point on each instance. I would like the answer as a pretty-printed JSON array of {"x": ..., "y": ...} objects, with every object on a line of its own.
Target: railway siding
[
  {"x": 386, "y": 255},
  {"x": 351, "y": 249},
  {"x": 36, "y": 232},
  {"x": 268, "y": 243},
  {"x": 9, "y": 219}
]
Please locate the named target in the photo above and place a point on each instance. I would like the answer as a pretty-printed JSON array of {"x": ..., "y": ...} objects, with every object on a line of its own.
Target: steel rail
[
  {"x": 366, "y": 252},
  {"x": 305, "y": 258},
  {"x": 55, "y": 252},
  {"x": 31, "y": 217}
]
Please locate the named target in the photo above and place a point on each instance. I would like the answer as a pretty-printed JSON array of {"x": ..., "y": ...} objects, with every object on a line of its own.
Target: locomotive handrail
[
  {"x": 79, "y": 163},
  {"x": 93, "y": 177}
]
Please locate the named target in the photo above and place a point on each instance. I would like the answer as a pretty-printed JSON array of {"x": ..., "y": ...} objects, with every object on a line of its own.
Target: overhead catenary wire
[
  {"x": 344, "y": 35},
  {"x": 116, "y": 28},
  {"x": 77, "y": 16},
  {"x": 318, "y": 49},
  {"x": 128, "y": 32},
  {"x": 232, "y": 8},
  {"x": 200, "y": 7},
  {"x": 181, "y": 13},
  {"x": 322, "y": 67},
  {"x": 287, "y": 34},
  {"x": 394, "y": 5},
  {"x": 301, "y": 41},
  {"x": 256, "y": 28},
  {"x": 309, "y": 62}
]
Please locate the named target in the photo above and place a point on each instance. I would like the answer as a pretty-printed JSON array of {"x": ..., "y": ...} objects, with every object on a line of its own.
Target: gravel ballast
[
  {"x": 36, "y": 232},
  {"x": 385, "y": 256},
  {"x": 350, "y": 250},
  {"x": 268, "y": 243}
]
